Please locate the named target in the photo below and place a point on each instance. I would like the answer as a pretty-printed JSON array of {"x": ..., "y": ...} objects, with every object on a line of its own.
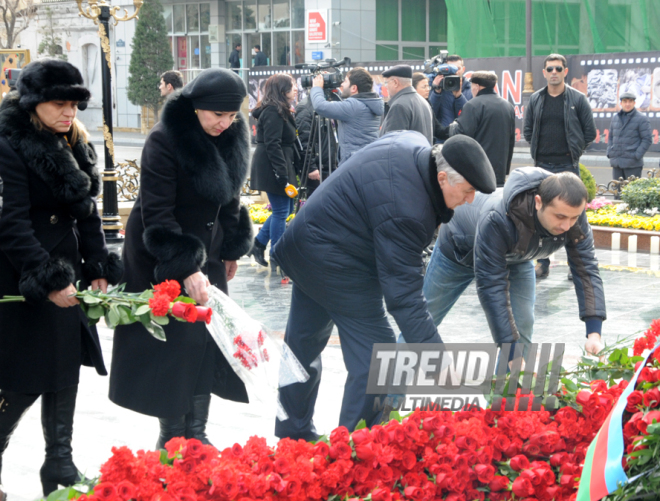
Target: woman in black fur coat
[
  {"x": 187, "y": 224},
  {"x": 50, "y": 238}
]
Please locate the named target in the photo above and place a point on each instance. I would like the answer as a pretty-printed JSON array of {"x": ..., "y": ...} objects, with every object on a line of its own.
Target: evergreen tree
[{"x": 150, "y": 58}]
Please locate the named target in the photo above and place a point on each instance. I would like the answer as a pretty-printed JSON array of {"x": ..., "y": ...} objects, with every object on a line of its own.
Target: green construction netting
[{"x": 490, "y": 28}]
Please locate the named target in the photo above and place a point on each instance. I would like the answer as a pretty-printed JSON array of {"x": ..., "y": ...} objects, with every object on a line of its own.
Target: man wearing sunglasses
[{"x": 559, "y": 125}]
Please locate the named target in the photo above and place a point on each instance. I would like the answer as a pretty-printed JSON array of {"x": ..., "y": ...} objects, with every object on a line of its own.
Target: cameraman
[
  {"x": 358, "y": 115},
  {"x": 447, "y": 105}
]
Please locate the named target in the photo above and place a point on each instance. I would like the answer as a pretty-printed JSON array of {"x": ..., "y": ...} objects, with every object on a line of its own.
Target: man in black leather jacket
[
  {"x": 495, "y": 240},
  {"x": 559, "y": 126}
]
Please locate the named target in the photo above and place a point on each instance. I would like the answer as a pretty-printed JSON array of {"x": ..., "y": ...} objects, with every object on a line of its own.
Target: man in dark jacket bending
[
  {"x": 358, "y": 240},
  {"x": 496, "y": 239}
]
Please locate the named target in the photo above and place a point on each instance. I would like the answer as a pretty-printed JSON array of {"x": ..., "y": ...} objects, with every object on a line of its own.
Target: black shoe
[
  {"x": 542, "y": 271},
  {"x": 13, "y": 407},
  {"x": 57, "y": 410},
  {"x": 170, "y": 428},
  {"x": 257, "y": 252},
  {"x": 197, "y": 418},
  {"x": 570, "y": 276}
]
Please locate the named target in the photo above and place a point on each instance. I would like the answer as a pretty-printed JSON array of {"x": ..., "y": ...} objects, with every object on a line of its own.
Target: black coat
[
  {"x": 273, "y": 160},
  {"x": 630, "y": 138},
  {"x": 260, "y": 59},
  {"x": 49, "y": 226},
  {"x": 579, "y": 123},
  {"x": 491, "y": 121},
  {"x": 187, "y": 218},
  {"x": 360, "y": 238}
]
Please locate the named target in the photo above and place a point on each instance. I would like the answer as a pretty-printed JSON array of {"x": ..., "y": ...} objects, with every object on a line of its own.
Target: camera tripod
[{"x": 315, "y": 154}]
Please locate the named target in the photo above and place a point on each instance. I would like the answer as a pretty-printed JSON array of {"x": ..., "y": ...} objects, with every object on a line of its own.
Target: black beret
[
  {"x": 628, "y": 95},
  {"x": 216, "y": 89},
  {"x": 401, "y": 70},
  {"x": 50, "y": 80},
  {"x": 468, "y": 158}
]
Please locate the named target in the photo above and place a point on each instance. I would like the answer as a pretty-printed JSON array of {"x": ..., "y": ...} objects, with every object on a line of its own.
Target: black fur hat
[{"x": 49, "y": 80}]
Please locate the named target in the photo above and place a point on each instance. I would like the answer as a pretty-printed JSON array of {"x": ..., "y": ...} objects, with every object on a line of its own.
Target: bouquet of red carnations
[
  {"x": 263, "y": 362},
  {"x": 153, "y": 307}
]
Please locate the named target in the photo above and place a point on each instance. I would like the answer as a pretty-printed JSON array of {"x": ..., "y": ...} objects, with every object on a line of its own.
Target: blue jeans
[
  {"x": 446, "y": 280},
  {"x": 275, "y": 225}
]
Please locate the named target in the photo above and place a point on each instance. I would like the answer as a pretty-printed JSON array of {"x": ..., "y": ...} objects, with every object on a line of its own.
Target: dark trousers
[
  {"x": 307, "y": 333},
  {"x": 556, "y": 169},
  {"x": 618, "y": 172}
]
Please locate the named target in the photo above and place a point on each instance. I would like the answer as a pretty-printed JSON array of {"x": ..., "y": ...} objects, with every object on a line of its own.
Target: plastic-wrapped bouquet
[{"x": 263, "y": 362}]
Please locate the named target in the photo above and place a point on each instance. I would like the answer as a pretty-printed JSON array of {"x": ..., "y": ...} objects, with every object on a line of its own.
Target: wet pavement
[{"x": 632, "y": 288}]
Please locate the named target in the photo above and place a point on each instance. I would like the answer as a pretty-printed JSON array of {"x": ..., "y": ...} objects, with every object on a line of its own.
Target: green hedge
[
  {"x": 642, "y": 194},
  {"x": 588, "y": 181}
]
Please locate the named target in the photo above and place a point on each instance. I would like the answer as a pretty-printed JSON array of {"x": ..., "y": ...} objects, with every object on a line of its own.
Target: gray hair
[
  {"x": 443, "y": 166},
  {"x": 404, "y": 82}
]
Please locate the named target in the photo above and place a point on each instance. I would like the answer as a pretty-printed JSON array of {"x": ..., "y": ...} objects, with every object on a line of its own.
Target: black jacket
[
  {"x": 360, "y": 238},
  {"x": 578, "y": 122},
  {"x": 260, "y": 59},
  {"x": 234, "y": 59},
  {"x": 490, "y": 120},
  {"x": 187, "y": 218},
  {"x": 50, "y": 236},
  {"x": 273, "y": 159},
  {"x": 630, "y": 138},
  {"x": 500, "y": 229}
]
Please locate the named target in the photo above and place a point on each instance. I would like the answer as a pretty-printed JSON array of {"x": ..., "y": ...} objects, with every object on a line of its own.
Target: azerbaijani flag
[{"x": 602, "y": 472}]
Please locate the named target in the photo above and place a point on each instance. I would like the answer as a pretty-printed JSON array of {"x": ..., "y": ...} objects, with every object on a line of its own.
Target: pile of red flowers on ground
[
  {"x": 164, "y": 302},
  {"x": 429, "y": 455}
]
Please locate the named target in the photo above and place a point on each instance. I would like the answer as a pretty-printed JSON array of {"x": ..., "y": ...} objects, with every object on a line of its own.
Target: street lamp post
[
  {"x": 529, "y": 80},
  {"x": 101, "y": 12}
]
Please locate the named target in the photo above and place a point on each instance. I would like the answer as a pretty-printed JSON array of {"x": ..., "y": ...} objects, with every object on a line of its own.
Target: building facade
[{"x": 289, "y": 32}]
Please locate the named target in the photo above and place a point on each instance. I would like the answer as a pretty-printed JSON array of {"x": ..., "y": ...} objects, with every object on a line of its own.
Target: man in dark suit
[{"x": 260, "y": 59}]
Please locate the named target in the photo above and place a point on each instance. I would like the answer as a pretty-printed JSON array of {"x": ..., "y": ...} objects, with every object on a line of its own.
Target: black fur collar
[
  {"x": 69, "y": 172},
  {"x": 217, "y": 166}
]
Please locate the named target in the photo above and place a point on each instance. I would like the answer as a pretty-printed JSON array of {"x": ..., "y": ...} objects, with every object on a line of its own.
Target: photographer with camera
[
  {"x": 449, "y": 94},
  {"x": 407, "y": 109},
  {"x": 358, "y": 114}
]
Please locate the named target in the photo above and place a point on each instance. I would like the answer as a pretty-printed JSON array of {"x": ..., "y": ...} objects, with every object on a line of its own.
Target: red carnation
[
  {"x": 519, "y": 462},
  {"x": 126, "y": 490},
  {"x": 485, "y": 472},
  {"x": 499, "y": 483},
  {"x": 186, "y": 311},
  {"x": 204, "y": 314},
  {"x": 170, "y": 288},
  {"x": 522, "y": 487},
  {"x": 160, "y": 305},
  {"x": 105, "y": 490}
]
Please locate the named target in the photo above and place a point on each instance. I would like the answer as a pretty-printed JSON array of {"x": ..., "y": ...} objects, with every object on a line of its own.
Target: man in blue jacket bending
[
  {"x": 496, "y": 240},
  {"x": 359, "y": 114},
  {"x": 358, "y": 240}
]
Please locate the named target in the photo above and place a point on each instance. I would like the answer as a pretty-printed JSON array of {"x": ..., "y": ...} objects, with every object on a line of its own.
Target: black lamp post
[
  {"x": 529, "y": 80},
  {"x": 101, "y": 13}
]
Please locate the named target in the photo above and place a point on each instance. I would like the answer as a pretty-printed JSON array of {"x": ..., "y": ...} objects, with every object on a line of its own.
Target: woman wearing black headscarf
[{"x": 188, "y": 225}]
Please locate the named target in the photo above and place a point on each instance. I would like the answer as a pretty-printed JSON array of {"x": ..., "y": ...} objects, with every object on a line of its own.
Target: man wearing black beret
[
  {"x": 406, "y": 110},
  {"x": 496, "y": 239},
  {"x": 359, "y": 240}
]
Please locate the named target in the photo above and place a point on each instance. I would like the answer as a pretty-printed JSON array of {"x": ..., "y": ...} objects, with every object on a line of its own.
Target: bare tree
[{"x": 16, "y": 16}]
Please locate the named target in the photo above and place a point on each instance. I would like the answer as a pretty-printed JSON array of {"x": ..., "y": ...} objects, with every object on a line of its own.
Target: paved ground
[{"x": 632, "y": 299}]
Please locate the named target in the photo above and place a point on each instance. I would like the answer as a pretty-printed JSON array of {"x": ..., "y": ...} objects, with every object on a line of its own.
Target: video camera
[
  {"x": 438, "y": 66},
  {"x": 11, "y": 75},
  {"x": 331, "y": 80}
]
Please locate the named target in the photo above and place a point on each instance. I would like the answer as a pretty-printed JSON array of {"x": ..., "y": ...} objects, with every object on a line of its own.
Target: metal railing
[{"x": 616, "y": 186}]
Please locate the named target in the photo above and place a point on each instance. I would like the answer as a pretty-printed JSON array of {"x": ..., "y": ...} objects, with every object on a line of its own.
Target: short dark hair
[
  {"x": 174, "y": 78},
  {"x": 417, "y": 78},
  {"x": 258, "y": 47},
  {"x": 238, "y": 45},
  {"x": 361, "y": 78},
  {"x": 453, "y": 58},
  {"x": 567, "y": 186},
  {"x": 555, "y": 57}
]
